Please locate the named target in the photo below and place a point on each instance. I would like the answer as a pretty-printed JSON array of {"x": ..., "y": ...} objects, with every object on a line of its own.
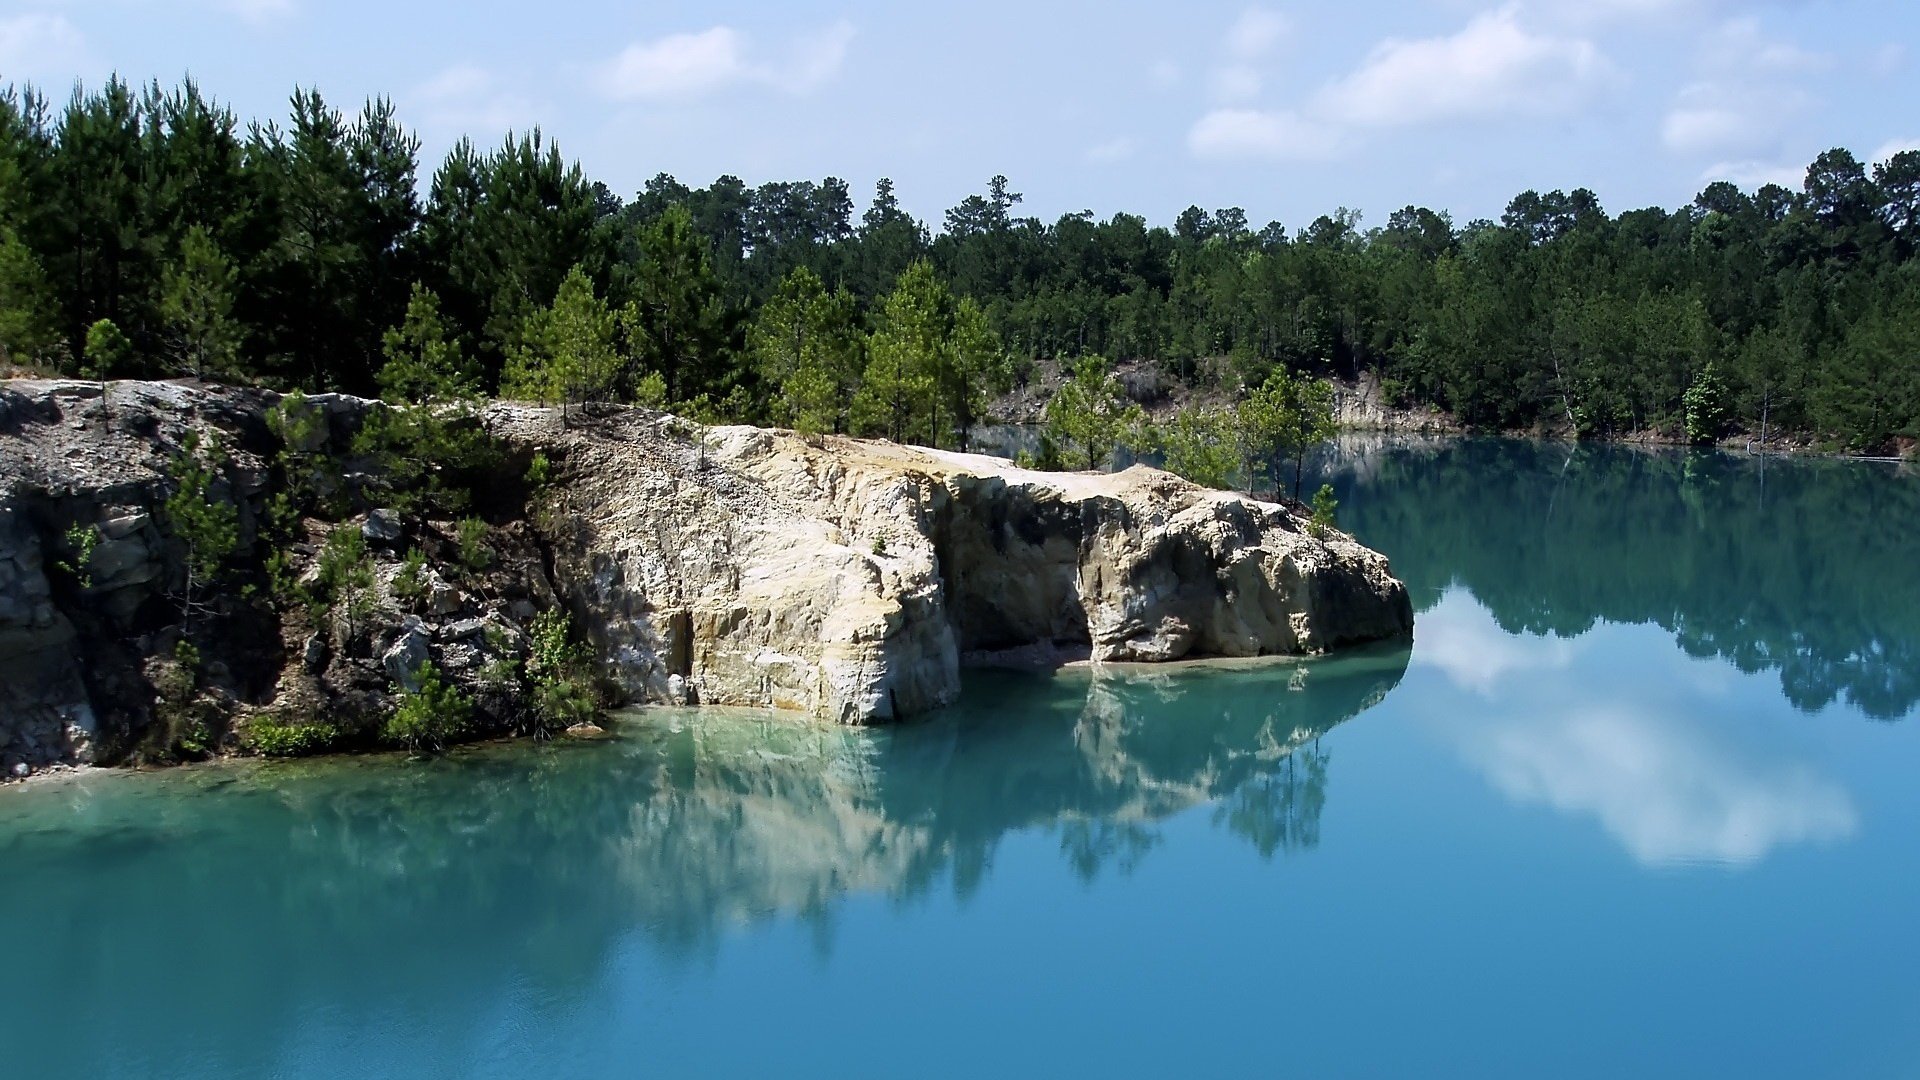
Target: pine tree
[
  {"x": 196, "y": 309},
  {"x": 905, "y": 353},
  {"x": 424, "y": 361},
  {"x": 678, "y": 316},
  {"x": 570, "y": 352},
  {"x": 1090, "y": 413},
  {"x": 804, "y": 347}
]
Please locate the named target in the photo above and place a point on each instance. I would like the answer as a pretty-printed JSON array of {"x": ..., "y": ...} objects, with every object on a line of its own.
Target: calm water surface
[{"x": 1641, "y": 799}]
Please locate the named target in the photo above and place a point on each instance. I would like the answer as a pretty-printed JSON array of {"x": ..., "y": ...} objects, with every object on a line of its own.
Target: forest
[{"x": 151, "y": 232}]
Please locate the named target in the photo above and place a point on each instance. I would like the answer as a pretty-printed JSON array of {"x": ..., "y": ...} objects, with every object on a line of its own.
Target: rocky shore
[{"x": 728, "y": 566}]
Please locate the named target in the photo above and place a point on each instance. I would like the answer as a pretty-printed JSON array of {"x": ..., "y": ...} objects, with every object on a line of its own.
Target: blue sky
[{"x": 1286, "y": 109}]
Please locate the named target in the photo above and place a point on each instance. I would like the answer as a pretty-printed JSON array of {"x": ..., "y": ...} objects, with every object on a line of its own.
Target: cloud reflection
[{"x": 1657, "y": 761}]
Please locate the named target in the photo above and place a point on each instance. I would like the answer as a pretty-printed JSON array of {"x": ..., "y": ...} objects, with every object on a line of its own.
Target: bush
[
  {"x": 344, "y": 585},
  {"x": 430, "y": 717},
  {"x": 561, "y": 685},
  {"x": 472, "y": 541},
  {"x": 410, "y": 584},
  {"x": 269, "y": 737},
  {"x": 1324, "y": 508}
]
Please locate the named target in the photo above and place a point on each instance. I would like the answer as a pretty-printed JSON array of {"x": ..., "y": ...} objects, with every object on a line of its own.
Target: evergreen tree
[
  {"x": 805, "y": 348},
  {"x": 569, "y": 352},
  {"x": 905, "y": 353},
  {"x": 680, "y": 321},
  {"x": 1090, "y": 413},
  {"x": 196, "y": 308},
  {"x": 1285, "y": 417}
]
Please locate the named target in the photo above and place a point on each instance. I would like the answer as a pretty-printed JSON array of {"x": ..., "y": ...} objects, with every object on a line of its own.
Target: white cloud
[
  {"x": 1738, "y": 45},
  {"x": 1236, "y": 82},
  {"x": 1894, "y": 146},
  {"x": 43, "y": 48},
  {"x": 1254, "y": 133},
  {"x": 1757, "y": 174},
  {"x": 685, "y": 66},
  {"x": 468, "y": 100},
  {"x": 1745, "y": 96},
  {"x": 1667, "y": 766},
  {"x": 1113, "y": 150},
  {"x": 1256, "y": 33},
  {"x": 1493, "y": 67},
  {"x": 1713, "y": 128}
]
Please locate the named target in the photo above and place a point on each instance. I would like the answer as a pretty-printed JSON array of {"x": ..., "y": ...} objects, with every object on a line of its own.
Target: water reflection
[
  {"x": 514, "y": 869},
  {"x": 1804, "y": 568},
  {"x": 1656, "y": 747}
]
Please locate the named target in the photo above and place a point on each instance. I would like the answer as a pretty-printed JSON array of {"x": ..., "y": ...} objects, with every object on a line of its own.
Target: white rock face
[{"x": 847, "y": 579}]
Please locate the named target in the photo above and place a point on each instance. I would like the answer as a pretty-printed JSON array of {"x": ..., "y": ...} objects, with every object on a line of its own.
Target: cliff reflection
[
  {"x": 525, "y": 871},
  {"x": 1804, "y": 568}
]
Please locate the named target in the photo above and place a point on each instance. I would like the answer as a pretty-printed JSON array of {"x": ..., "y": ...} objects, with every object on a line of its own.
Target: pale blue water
[{"x": 1640, "y": 800}]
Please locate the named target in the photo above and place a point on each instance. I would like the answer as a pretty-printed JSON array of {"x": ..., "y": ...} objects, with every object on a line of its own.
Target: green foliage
[
  {"x": 897, "y": 393},
  {"x": 410, "y": 582},
  {"x": 1708, "y": 412},
  {"x": 196, "y": 307},
  {"x": 180, "y": 730},
  {"x": 430, "y": 715},
  {"x": 269, "y": 736},
  {"x": 29, "y": 315},
  {"x": 1285, "y": 418},
  {"x": 539, "y": 472},
  {"x": 108, "y": 352},
  {"x": 677, "y": 315},
  {"x": 1325, "y": 507},
  {"x": 471, "y": 543},
  {"x": 81, "y": 540},
  {"x": 559, "y": 673},
  {"x": 569, "y": 352},
  {"x": 1090, "y": 413},
  {"x": 424, "y": 363},
  {"x": 343, "y": 585},
  {"x": 201, "y": 516},
  {"x": 806, "y": 350},
  {"x": 1200, "y": 445},
  {"x": 305, "y": 252}
]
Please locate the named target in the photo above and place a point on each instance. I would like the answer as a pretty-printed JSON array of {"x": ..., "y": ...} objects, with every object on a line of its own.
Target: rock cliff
[{"x": 724, "y": 566}]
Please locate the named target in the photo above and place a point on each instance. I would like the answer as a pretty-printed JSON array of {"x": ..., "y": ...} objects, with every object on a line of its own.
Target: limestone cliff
[{"x": 727, "y": 566}]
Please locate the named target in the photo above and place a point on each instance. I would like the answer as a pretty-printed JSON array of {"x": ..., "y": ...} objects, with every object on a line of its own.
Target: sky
[{"x": 1288, "y": 110}]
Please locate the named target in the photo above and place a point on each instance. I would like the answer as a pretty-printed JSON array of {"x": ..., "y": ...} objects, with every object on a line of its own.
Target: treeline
[{"x": 290, "y": 254}]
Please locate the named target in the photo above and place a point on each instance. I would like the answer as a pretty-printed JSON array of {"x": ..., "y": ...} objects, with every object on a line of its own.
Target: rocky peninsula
[{"x": 846, "y": 579}]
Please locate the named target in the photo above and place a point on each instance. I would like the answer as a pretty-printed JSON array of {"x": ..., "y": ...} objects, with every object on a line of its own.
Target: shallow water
[{"x": 1639, "y": 799}]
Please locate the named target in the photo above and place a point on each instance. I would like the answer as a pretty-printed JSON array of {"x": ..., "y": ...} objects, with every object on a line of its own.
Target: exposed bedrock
[{"x": 850, "y": 579}]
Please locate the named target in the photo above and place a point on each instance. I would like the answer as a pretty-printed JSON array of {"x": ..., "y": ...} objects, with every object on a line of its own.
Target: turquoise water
[{"x": 1640, "y": 799}]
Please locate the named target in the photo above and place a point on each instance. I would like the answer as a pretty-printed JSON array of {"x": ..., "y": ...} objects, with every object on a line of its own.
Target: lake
[{"x": 1640, "y": 799}]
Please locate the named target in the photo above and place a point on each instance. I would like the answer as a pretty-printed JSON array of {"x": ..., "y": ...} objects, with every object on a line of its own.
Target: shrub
[
  {"x": 430, "y": 716},
  {"x": 1324, "y": 508},
  {"x": 410, "y": 584},
  {"x": 472, "y": 541},
  {"x": 561, "y": 691},
  {"x": 344, "y": 585},
  {"x": 81, "y": 540},
  {"x": 269, "y": 737}
]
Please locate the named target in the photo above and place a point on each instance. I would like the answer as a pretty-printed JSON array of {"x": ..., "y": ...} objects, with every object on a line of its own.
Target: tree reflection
[
  {"x": 1804, "y": 568},
  {"x": 246, "y": 896}
]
